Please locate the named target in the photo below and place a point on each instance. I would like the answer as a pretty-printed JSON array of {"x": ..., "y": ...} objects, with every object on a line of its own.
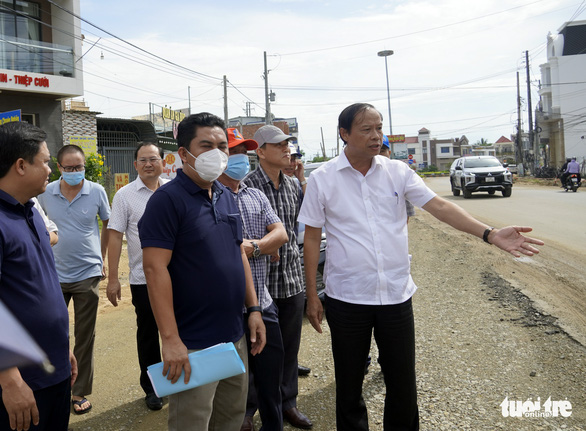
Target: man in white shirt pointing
[{"x": 359, "y": 197}]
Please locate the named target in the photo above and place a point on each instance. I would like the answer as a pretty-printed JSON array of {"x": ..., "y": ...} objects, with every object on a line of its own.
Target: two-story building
[
  {"x": 561, "y": 115},
  {"x": 40, "y": 62},
  {"x": 427, "y": 151}
]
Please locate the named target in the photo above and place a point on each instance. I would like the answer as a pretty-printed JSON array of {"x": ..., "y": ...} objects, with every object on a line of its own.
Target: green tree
[
  {"x": 317, "y": 159},
  {"x": 483, "y": 142}
]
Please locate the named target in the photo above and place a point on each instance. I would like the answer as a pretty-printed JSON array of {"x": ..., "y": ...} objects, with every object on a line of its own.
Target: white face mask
[{"x": 209, "y": 165}]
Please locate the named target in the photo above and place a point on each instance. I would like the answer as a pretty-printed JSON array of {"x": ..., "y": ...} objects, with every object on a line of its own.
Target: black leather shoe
[
  {"x": 303, "y": 371},
  {"x": 153, "y": 402},
  {"x": 248, "y": 424},
  {"x": 297, "y": 419}
]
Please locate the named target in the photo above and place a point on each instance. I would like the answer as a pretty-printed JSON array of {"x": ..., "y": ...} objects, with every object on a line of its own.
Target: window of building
[
  {"x": 29, "y": 118},
  {"x": 411, "y": 150},
  {"x": 445, "y": 150},
  {"x": 20, "y": 19}
]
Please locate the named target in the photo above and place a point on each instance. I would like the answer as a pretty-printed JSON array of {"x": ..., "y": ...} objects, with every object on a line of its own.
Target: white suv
[{"x": 480, "y": 174}]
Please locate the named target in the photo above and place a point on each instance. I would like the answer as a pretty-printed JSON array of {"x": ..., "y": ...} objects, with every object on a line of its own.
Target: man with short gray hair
[{"x": 285, "y": 276}]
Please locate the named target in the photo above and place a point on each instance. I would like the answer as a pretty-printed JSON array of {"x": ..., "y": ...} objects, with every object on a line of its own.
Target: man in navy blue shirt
[
  {"x": 198, "y": 276},
  {"x": 29, "y": 286}
]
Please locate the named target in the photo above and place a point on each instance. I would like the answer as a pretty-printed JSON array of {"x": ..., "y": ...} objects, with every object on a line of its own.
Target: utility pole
[
  {"x": 268, "y": 119},
  {"x": 189, "y": 98},
  {"x": 225, "y": 101},
  {"x": 529, "y": 110},
  {"x": 519, "y": 143},
  {"x": 323, "y": 145}
]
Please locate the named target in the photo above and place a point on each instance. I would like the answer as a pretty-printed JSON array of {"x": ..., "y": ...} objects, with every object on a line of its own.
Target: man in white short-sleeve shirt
[
  {"x": 127, "y": 209},
  {"x": 359, "y": 197}
]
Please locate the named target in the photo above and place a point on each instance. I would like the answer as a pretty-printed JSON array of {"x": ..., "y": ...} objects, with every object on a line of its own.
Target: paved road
[{"x": 556, "y": 216}]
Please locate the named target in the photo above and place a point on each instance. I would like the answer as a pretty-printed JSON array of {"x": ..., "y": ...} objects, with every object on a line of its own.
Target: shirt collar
[
  {"x": 343, "y": 162},
  {"x": 266, "y": 178},
  {"x": 10, "y": 202},
  {"x": 192, "y": 188},
  {"x": 242, "y": 187},
  {"x": 85, "y": 187},
  {"x": 141, "y": 185}
]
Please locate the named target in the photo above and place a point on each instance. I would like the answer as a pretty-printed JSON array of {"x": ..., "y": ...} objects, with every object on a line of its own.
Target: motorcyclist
[
  {"x": 573, "y": 168},
  {"x": 563, "y": 175}
]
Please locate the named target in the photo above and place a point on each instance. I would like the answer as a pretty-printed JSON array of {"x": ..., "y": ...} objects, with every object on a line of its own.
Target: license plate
[
  {"x": 574, "y": 180},
  {"x": 489, "y": 179}
]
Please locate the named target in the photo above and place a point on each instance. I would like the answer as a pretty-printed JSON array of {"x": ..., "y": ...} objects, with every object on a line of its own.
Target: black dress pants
[
  {"x": 265, "y": 374},
  {"x": 147, "y": 334},
  {"x": 54, "y": 404},
  {"x": 351, "y": 327}
]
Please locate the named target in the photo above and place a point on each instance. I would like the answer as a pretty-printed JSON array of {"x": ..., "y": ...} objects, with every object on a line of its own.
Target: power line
[
  {"x": 412, "y": 33},
  {"x": 133, "y": 45}
]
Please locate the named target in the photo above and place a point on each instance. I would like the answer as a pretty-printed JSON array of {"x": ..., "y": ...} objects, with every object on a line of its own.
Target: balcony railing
[{"x": 26, "y": 55}]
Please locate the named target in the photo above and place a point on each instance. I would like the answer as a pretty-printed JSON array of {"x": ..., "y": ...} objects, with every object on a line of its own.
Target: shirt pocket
[{"x": 235, "y": 223}]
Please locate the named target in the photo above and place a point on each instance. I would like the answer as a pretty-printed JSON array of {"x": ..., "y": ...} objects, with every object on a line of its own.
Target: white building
[
  {"x": 40, "y": 53},
  {"x": 423, "y": 150},
  {"x": 562, "y": 111}
]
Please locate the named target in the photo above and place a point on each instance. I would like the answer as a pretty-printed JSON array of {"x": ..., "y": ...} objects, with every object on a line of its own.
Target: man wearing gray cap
[{"x": 285, "y": 276}]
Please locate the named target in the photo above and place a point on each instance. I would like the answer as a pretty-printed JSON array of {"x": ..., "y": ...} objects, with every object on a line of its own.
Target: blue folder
[{"x": 208, "y": 365}]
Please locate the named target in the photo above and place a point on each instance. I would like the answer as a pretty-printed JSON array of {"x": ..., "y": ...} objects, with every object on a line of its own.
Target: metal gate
[{"x": 118, "y": 147}]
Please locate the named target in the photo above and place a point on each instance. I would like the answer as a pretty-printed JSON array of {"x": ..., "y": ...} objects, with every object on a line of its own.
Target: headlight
[{"x": 469, "y": 178}]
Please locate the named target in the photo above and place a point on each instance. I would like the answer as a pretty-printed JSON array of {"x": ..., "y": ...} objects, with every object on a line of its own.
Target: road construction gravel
[{"x": 481, "y": 345}]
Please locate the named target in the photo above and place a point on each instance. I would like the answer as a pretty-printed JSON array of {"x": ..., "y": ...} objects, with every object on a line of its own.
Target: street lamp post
[{"x": 385, "y": 54}]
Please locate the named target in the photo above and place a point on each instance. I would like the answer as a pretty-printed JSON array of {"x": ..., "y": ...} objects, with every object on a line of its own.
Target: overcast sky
[{"x": 453, "y": 70}]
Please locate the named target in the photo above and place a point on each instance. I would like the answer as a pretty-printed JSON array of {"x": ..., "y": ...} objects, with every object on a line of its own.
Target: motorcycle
[{"x": 572, "y": 183}]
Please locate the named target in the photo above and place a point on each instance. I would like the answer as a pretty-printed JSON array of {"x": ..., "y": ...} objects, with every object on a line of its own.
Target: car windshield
[{"x": 482, "y": 163}]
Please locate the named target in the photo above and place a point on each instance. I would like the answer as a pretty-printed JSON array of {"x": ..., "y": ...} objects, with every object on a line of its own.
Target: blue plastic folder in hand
[{"x": 208, "y": 365}]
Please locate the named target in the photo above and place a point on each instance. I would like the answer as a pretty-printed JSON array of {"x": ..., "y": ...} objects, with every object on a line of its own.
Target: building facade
[
  {"x": 561, "y": 114},
  {"x": 40, "y": 53},
  {"x": 423, "y": 151}
]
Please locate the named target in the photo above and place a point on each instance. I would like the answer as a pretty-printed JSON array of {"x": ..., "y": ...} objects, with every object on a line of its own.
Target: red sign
[{"x": 410, "y": 156}]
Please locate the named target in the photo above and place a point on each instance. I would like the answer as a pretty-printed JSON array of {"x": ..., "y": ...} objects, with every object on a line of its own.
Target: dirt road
[
  {"x": 480, "y": 342},
  {"x": 555, "y": 217}
]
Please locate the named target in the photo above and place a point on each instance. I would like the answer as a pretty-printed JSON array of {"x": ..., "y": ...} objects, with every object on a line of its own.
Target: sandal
[{"x": 79, "y": 403}]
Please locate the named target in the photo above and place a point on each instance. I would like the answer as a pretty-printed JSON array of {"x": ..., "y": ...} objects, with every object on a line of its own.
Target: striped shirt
[
  {"x": 285, "y": 276},
  {"x": 257, "y": 214}
]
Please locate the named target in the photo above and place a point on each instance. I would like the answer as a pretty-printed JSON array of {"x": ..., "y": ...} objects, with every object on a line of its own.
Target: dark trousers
[
  {"x": 265, "y": 373},
  {"x": 351, "y": 327},
  {"x": 290, "y": 322},
  {"x": 54, "y": 404},
  {"x": 147, "y": 334}
]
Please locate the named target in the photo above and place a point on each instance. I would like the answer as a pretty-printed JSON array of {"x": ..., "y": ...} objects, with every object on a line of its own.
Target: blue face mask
[
  {"x": 238, "y": 166},
  {"x": 73, "y": 178}
]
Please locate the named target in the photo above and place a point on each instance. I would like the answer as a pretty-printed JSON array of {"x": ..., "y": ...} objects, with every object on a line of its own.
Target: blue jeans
[{"x": 351, "y": 327}]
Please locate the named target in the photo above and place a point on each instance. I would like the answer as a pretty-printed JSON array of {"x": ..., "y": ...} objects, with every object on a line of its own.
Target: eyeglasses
[
  {"x": 77, "y": 168},
  {"x": 152, "y": 161}
]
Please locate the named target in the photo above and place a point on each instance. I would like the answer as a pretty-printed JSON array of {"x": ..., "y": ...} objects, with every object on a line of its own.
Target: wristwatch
[{"x": 256, "y": 251}]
